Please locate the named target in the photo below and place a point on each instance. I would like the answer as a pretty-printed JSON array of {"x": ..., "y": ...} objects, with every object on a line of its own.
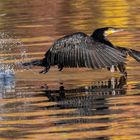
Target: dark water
[{"x": 72, "y": 104}]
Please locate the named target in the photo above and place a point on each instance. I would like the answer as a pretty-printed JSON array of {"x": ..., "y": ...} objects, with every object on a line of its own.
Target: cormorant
[{"x": 81, "y": 50}]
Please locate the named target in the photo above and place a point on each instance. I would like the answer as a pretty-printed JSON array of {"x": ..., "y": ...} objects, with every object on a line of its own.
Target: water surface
[{"x": 76, "y": 104}]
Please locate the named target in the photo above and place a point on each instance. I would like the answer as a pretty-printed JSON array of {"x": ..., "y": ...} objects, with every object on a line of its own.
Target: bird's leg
[
  {"x": 45, "y": 70},
  {"x": 112, "y": 69},
  {"x": 108, "y": 68},
  {"x": 115, "y": 68},
  {"x": 122, "y": 69},
  {"x": 60, "y": 67}
]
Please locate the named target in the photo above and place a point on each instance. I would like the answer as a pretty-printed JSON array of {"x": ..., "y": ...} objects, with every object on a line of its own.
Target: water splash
[
  {"x": 12, "y": 53},
  {"x": 7, "y": 85}
]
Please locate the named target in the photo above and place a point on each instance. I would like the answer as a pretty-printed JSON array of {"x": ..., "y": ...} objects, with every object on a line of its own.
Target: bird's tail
[
  {"x": 38, "y": 63},
  {"x": 45, "y": 62},
  {"x": 33, "y": 63},
  {"x": 135, "y": 54}
]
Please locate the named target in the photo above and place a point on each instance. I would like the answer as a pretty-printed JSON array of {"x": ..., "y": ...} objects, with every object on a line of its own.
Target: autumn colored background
[{"x": 75, "y": 104}]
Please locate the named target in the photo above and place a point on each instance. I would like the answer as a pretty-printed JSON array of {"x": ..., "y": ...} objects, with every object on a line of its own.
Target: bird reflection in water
[
  {"x": 110, "y": 87},
  {"x": 85, "y": 103}
]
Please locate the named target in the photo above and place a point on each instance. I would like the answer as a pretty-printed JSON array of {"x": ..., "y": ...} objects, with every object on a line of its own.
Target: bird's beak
[
  {"x": 117, "y": 30},
  {"x": 114, "y": 30}
]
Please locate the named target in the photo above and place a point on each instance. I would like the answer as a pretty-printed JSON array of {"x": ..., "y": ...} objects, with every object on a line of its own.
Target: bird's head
[{"x": 103, "y": 32}]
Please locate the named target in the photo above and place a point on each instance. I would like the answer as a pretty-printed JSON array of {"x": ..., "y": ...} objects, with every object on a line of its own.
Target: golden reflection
[
  {"x": 81, "y": 17},
  {"x": 30, "y": 26},
  {"x": 115, "y": 13},
  {"x": 35, "y": 39},
  {"x": 104, "y": 13}
]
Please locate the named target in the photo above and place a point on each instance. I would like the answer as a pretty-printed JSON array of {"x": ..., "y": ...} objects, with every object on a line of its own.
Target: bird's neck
[
  {"x": 106, "y": 42},
  {"x": 97, "y": 36},
  {"x": 101, "y": 38}
]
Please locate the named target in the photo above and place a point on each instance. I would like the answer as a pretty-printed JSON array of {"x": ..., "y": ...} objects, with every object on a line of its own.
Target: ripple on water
[{"x": 92, "y": 112}]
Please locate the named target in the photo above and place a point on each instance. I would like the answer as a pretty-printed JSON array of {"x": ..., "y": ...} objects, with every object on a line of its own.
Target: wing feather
[
  {"x": 106, "y": 59},
  {"x": 80, "y": 50},
  {"x": 100, "y": 64},
  {"x": 95, "y": 59},
  {"x": 88, "y": 60},
  {"x": 91, "y": 60}
]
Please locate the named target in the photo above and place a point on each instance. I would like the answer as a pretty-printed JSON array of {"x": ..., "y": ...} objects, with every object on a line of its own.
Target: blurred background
[{"x": 77, "y": 104}]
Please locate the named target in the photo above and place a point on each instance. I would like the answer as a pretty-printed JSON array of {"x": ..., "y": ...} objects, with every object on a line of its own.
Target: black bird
[{"x": 81, "y": 50}]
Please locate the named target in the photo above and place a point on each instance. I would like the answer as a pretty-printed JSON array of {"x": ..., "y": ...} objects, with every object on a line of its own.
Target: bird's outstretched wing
[{"x": 80, "y": 50}]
